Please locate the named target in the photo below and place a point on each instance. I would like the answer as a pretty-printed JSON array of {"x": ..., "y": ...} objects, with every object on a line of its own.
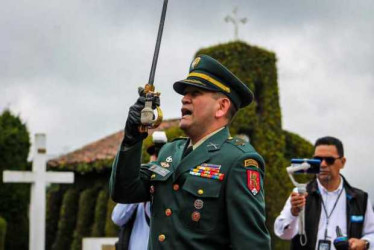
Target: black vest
[{"x": 356, "y": 205}]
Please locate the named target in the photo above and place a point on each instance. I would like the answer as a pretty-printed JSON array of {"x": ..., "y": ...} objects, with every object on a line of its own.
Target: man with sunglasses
[{"x": 331, "y": 204}]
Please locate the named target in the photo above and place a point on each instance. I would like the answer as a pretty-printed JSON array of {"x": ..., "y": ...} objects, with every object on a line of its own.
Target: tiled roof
[{"x": 103, "y": 149}]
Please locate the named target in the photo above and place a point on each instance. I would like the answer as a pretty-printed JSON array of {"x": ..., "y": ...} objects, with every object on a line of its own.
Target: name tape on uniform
[{"x": 159, "y": 170}]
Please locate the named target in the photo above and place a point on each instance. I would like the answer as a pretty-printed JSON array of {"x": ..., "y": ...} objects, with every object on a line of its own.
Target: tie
[{"x": 187, "y": 151}]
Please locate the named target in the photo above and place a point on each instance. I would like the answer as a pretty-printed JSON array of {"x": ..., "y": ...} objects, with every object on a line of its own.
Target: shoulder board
[{"x": 240, "y": 144}]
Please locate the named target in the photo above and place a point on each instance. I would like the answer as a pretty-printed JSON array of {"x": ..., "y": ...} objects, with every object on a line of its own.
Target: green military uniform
[
  {"x": 194, "y": 212},
  {"x": 212, "y": 198}
]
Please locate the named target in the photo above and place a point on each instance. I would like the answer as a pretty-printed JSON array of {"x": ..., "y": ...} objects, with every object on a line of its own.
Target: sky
[{"x": 70, "y": 69}]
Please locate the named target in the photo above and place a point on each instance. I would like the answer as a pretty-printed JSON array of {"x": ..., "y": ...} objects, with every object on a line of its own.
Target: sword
[{"x": 146, "y": 116}]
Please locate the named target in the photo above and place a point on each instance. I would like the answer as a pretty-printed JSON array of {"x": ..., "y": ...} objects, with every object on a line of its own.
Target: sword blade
[{"x": 158, "y": 43}]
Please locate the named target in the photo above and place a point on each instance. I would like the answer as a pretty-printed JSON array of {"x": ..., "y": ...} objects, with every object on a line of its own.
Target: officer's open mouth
[{"x": 186, "y": 112}]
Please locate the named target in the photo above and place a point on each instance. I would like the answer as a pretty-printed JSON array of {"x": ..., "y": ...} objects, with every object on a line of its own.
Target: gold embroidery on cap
[{"x": 211, "y": 80}]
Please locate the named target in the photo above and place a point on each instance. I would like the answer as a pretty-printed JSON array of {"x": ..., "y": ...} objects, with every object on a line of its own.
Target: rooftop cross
[
  {"x": 38, "y": 178},
  {"x": 235, "y": 20}
]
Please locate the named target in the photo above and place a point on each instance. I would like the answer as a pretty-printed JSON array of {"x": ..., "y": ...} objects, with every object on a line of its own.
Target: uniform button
[
  {"x": 195, "y": 216},
  {"x": 161, "y": 237},
  {"x": 176, "y": 187},
  {"x": 168, "y": 212},
  {"x": 198, "y": 204},
  {"x": 153, "y": 176},
  {"x": 152, "y": 189},
  {"x": 200, "y": 191}
]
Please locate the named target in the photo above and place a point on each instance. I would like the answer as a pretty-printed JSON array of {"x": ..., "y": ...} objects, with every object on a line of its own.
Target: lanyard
[{"x": 332, "y": 210}]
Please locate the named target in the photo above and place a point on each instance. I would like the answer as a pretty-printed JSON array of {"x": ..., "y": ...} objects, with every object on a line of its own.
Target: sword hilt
[{"x": 147, "y": 115}]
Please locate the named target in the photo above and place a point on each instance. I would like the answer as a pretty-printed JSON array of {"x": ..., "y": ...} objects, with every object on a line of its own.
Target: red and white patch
[{"x": 253, "y": 181}]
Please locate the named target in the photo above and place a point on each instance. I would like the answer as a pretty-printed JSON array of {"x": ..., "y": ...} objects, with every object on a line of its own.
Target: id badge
[{"x": 324, "y": 245}]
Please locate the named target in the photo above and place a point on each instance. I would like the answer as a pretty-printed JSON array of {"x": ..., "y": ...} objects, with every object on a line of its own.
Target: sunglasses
[{"x": 329, "y": 159}]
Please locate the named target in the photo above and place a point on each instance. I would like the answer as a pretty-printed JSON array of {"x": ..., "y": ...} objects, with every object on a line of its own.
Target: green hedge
[
  {"x": 261, "y": 121},
  {"x": 67, "y": 220},
  {"x": 2, "y": 233},
  {"x": 98, "y": 228},
  {"x": 111, "y": 229},
  {"x": 85, "y": 217},
  {"x": 54, "y": 201}
]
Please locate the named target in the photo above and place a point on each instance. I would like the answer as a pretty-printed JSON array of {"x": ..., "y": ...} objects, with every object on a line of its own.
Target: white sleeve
[
  {"x": 122, "y": 213},
  {"x": 368, "y": 231},
  {"x": 286, "y": 226}
]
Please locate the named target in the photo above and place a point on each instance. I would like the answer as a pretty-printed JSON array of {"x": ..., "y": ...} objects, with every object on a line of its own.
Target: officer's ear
[{"x": 223, "y": 105}]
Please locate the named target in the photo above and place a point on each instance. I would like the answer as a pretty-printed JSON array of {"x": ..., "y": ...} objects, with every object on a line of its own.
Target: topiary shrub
[
  {"x": 261, "y": 121},
  {"x": 85, "y": 216},
  {"x": 2, "y": 233},
  {"x": 54, "y": 200},
  {"x": 111, "y": 229},
  {"x": 66, "y": 224},
  {"x": 98, "y": 228}
]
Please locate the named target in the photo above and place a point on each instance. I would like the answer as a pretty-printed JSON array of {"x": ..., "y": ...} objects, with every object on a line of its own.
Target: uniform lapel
[{"x": 202, "y": 153}]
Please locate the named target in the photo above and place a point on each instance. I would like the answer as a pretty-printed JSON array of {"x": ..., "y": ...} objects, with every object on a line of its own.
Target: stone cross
[
  {"x": 235, "y": 20},
  {"x": 38, "y": 178}
]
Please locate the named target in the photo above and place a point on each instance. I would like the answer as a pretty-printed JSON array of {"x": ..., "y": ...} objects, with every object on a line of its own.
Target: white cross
[
  {"x": 235, "y": 20},
  {"x": 38, "y": 178}
]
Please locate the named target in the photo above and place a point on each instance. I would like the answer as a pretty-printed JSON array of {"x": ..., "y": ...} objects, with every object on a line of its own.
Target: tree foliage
[{"x": 14, "y": 198}]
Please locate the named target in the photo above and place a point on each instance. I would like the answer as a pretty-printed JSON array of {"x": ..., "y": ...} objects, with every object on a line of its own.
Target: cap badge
[{"x": 195, "y": 62}]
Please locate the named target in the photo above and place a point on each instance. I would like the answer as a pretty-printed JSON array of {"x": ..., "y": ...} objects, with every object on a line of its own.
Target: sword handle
[{"x": 146, "y": 115}]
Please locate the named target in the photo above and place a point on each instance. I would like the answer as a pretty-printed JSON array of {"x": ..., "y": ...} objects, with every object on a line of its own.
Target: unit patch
[
  {"x": 253, "y": 181},
  {"x": 250, "y": 162}
]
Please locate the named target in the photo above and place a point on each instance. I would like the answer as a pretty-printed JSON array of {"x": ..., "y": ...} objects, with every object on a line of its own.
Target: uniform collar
[{"x": 202, "y": 140}]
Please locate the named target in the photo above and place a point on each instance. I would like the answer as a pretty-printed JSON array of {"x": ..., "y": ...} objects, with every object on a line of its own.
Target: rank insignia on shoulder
[
  {"x": 253, "y": 181},
  {"x": 239, "y": 142},
  {"x": 250, "y": 162}
]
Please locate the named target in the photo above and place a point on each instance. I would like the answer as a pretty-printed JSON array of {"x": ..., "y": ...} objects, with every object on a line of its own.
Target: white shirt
[
  {"x": 140, "y": 231},
  {"x": 286, "y": 225}
]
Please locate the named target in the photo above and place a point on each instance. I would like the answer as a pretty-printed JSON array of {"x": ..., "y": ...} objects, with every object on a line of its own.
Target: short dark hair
[{"x": 329, "y": 140}]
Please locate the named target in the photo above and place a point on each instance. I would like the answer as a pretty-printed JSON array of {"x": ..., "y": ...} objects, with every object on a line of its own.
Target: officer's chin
[{"x": 184, "y": 124}]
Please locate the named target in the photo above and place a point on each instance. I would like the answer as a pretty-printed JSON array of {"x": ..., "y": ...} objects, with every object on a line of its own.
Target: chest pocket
[{"x": 202, "y": 204}]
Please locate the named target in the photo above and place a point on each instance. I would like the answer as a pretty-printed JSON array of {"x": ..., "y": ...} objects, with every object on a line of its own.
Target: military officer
[{"x": 207, "y": 190}]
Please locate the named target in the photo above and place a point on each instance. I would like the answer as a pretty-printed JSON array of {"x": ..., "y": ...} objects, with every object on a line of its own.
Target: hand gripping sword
[{"x": 147, "y": 115}]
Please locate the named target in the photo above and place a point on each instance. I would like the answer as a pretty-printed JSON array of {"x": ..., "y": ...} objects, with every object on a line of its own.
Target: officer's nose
[{"x": 186, "y": 99}]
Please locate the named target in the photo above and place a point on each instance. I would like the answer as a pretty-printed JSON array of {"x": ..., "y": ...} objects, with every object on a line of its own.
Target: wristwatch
[{"x": 367, "y": 244}]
